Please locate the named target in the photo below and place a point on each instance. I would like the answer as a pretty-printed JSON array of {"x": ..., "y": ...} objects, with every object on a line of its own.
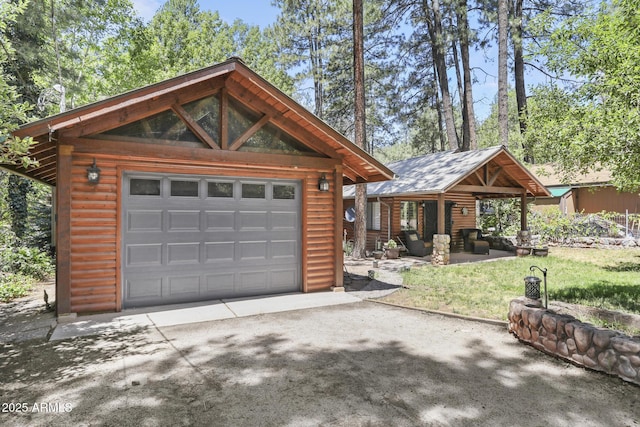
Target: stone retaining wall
[
  {"x": 508, "y": 243},
  {"x": 566, "y": 337}
]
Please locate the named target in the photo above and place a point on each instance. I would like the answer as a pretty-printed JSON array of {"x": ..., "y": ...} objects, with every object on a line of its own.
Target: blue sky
[{"x": 261, "y": 13}]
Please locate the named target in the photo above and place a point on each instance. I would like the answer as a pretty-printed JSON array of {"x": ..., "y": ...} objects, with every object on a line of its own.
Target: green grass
[
  {"x": 602, "y": 278},
  {"x": 14, "y": 286}
]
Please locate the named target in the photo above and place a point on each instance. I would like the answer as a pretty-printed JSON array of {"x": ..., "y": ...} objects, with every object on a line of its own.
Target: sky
[{"x": 262, "y": 13}]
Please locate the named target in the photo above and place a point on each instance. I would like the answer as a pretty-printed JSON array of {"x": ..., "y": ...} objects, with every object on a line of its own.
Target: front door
[{"x": 431, "y": 218}]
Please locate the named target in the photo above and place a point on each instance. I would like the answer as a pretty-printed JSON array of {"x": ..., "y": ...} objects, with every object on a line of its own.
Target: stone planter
[
  {"x": 541, "y": 251},
  {"x": 378, "y": 254},
  {"x": 392, "y": 253},
  {"x": 523, "y": 250}
]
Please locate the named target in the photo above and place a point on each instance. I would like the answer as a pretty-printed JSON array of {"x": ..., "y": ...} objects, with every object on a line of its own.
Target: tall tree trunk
[
  {"x": 503, "y": 95},
  {"x": 464, "y": 146},
  {"x": 360, "y": 225},
  {"x": 315, "y": 53},
  {"x": 443, "y": 143},
  {"x": 467, "y": 103},
  {"x": 434, "y": 25},
  {"x": 518, "y": 62}
]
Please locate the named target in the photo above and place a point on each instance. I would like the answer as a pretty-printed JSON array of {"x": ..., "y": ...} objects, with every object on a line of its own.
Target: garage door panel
[
  {"x": 253, "y": 220},
  {"x": 144, "y": 255},
  {"x": 183, "y": 285},
  {"x": 184, "y": 220},
  {"x": 284, "y": 220},
  {"x": 220, "y": 283},
  {"x": 144, "y": 221},
  {"x": 253, "y": 250},
  {"x": 219, "y": 252},
  {"x": 143, "y": 288},
  {"x": 183, "y": 253},
  {"x": 284, "y": 249},
  {"x": 220, "y": 220},
  {"x": 181, "y": 248}
]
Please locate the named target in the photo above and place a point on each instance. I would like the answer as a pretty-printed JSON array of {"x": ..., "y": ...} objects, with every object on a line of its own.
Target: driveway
[{"x": 356, "y": 364}]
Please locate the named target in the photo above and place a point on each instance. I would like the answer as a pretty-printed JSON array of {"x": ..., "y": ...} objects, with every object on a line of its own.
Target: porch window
[
  {"x": 373, "y": 216},
  {"x": 408, "y": 215}
]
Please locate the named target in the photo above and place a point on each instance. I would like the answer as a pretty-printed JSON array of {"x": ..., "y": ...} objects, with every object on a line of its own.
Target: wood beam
[
  {"x": 249, "y": 133},
  {"x": 495, "y": 176},
  {"x": 224, "y": 119},
  {"x": 194, "y": 126},
  {"x": 523, "y": 210},
  {"x": 63, "y": 230},
  {"x": 487, "y": 189}
]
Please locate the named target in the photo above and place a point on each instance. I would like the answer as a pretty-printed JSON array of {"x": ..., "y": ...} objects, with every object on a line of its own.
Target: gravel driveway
[{"x": 349, "y": 365}]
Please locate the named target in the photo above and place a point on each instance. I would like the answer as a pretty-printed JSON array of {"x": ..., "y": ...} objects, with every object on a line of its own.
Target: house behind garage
[{"x": 209, "y": 187}]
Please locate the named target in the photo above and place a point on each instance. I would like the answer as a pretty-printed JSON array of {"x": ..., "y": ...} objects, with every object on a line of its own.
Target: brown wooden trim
[
  {"x": 63, "y": 230},
  {"x": 194, "y": 126},
  {"x": 304, "y": 214},
  {"x": 249, "y": 132},
  {"x": 119, "y": 210},
  {"x": 487, "y": 189},
  {"x": 201, "y": 156},
  {"x": 337, "y": 232},
  {"x": 224, "y": 116}
]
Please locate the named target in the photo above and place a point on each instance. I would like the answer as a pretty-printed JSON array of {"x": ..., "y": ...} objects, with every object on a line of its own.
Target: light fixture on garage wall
[
  {"x": 465, "y": 211},
  {"x": 93, "y": 173},
  {"x": 323, "y": 184}
]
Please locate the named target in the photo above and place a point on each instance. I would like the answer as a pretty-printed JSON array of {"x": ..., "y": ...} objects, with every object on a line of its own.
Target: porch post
[
  {"x": 523, "y": 210},
  {"x": 441, "y": 241},
  {"x": 63, "y": 230}
]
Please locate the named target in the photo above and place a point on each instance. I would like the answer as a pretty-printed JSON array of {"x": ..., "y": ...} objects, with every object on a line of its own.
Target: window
[
  {"x": 373, "y": 216},
  {"x": 144, "y": 187},
  {"x": 284, "y": 192},
  {"x": 253, "y": 191},
  {"x": 408, "y": 215},
  {"x": 184, "y": 188},
  {"x": 220, "y": 189}
]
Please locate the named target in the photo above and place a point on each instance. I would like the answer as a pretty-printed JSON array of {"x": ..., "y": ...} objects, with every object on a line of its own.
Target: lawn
[{"x": 602, "y": 278}]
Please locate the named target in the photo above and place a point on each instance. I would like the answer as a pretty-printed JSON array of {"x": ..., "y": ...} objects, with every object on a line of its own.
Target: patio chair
[
  {"x": 415, "y": 245},
  {"x": 474, "y": 242}
]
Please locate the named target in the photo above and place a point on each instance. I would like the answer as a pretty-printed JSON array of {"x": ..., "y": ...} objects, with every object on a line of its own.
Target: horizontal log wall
[{"x": 95, "y": 283}]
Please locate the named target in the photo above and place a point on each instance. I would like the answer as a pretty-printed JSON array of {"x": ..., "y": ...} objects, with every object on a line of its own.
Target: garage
[
  {"x": 210, "y": 185},
  {"x": 188, "y": 238}
]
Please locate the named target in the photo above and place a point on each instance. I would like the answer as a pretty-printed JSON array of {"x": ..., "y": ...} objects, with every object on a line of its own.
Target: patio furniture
[
  {"x": 473, "y": 241},
  {"x": 415, "y": 245}
]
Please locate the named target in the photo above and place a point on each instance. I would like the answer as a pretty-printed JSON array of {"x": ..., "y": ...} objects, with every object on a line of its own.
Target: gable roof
[
  {"x": 489, "y": 173},
  {"x": 548, "y": 175},
  {"x": 234, "y": 77}
]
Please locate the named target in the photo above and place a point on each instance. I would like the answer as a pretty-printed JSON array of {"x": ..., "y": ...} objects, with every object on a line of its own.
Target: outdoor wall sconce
[
  {"x": 93, "y": 173},
  {"x": 465, "y": 211},
  {"x": 323, "y": 184}
]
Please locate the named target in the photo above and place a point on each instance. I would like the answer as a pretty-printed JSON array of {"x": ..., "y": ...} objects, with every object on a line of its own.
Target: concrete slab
[
  {"x": 242, "y": 307},
  {"x": 182, "y": 314}
]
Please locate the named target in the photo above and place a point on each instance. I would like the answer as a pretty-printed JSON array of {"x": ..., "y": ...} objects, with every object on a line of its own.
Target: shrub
[
  {"x": 14, "y": 286},
  {"x": 30, "y": 262}
]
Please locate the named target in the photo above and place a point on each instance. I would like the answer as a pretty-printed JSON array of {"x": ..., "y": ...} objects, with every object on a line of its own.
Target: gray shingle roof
[{"x": 430, "y": 174}]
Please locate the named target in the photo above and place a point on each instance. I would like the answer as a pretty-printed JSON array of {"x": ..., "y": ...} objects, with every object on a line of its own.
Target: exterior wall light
[
  {"x": 465, "y": 211},
  {"x": 323, "y": 184},
  {"x": 93, "y": 173}
]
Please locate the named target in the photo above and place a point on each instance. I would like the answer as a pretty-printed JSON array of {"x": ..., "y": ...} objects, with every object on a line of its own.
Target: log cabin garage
[{"x": 211, "y": 185}]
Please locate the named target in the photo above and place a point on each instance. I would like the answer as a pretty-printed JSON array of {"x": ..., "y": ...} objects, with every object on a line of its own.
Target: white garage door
[{"x": 189, "y": 238}]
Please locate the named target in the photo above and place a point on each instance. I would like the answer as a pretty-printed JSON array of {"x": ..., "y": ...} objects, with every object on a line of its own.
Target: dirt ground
[{"x": 361, "y": 364}]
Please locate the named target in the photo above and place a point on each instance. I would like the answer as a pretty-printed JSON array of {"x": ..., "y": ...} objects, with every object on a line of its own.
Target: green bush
[
  {"x": 30, "y": 262},
  {"x": 14, "y": 286}
]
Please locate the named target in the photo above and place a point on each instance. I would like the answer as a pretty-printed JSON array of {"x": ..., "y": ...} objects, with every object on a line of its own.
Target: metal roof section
[{"x": 441, "y": 172}]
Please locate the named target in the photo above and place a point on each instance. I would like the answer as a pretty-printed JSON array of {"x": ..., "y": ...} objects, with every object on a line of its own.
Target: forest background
[{"x": 422, "y": 61}]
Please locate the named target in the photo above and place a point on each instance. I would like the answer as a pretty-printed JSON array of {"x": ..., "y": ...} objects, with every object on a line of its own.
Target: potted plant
[
  {"x": 541, "y": 250},
  {"x": 391, "y": 250}
]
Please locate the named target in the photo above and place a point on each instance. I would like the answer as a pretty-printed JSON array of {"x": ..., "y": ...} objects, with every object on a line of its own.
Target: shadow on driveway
[{"x": 349, "y": 365}]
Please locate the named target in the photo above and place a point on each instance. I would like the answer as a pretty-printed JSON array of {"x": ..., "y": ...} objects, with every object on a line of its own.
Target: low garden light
[
  {"x": 93, "y": 173},
  {"x": 532, "y": 285}
]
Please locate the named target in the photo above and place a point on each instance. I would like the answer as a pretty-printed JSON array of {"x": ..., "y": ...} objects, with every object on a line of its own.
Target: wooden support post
[
  {"x": 441, "y": 214},
  {"x": 523, "y": 210},
  {"x": 338, "y": 212},
  {"x": 63, "y": 230}
]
